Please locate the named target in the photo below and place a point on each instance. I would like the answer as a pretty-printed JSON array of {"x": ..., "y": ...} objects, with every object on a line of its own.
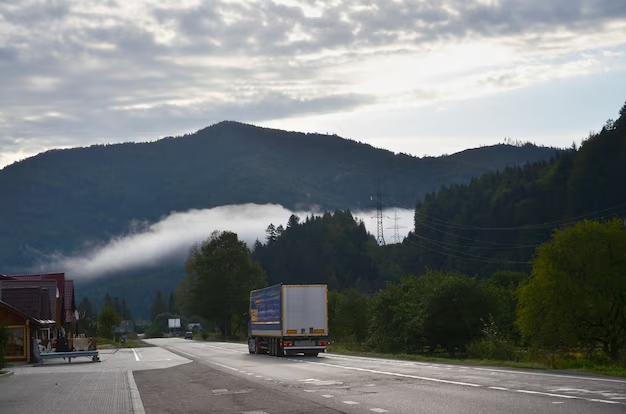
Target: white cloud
[{"x": 173, "y": 236}]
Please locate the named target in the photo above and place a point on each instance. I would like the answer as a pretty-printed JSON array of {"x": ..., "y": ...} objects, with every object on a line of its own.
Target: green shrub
[{"x": 493, "y": 345}]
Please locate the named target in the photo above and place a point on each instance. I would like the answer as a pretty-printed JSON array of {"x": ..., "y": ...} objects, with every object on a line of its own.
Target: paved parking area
[{"x": 83, "y": 386}]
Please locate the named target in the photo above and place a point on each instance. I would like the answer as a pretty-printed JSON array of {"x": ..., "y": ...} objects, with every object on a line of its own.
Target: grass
[{"x": 566, "y": 365}]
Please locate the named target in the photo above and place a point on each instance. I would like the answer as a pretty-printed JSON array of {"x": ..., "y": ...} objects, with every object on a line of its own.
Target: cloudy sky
[{"x": 417, "y": 76}]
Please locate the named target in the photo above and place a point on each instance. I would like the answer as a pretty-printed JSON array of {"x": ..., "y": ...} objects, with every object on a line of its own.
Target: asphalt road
[{"x": 336, "y": 383}]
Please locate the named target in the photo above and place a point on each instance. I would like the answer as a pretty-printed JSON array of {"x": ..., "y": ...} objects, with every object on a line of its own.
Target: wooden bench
[{"x": 69, "y": 355}]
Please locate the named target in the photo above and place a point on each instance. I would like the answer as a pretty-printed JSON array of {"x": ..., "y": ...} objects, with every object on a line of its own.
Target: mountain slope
[
  {"x": 62, "y": 199},
  {"x": 495, "y": 222}
]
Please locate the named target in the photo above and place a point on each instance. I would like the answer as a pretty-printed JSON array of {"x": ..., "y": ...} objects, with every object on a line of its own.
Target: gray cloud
[{"x": 78, "y": 72}]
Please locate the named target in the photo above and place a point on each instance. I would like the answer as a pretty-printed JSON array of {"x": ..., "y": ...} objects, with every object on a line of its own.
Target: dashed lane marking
[
  {"x": 499, "y": 388},
  {"x": 327, "y": 396},
  {"x": 571, "y": 397},
  {"x": 136, "y": 355},
  {"x": 467, "y": 384},
  {"x": 350, "y": 402},
  {"x": 396, "y": 374},
  {"x": 379, "y": 410}
]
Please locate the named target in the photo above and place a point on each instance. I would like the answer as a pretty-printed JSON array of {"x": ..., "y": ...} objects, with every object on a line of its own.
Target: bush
[{"x": 493, "y": 345}]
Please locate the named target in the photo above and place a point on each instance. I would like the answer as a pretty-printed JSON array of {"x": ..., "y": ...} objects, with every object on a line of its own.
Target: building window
[{"x": 16, "y": 346}]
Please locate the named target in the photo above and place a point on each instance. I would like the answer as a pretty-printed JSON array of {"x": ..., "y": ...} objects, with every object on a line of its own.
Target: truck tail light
[
  {"x": 287, "y": 344},
  {"x": 322, "y": 343}
]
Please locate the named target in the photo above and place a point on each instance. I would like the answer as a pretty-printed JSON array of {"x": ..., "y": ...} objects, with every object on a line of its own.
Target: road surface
[{"x": 346, "y": 384}]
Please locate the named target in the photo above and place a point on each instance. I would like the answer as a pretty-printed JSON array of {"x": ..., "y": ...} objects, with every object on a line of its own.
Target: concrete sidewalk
[
  {"x": 67, "y": 392},
  {"x": 82, "y": 386}
]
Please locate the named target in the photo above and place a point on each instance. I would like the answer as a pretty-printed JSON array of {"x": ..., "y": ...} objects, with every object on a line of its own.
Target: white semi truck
[{"x": 288, "y": 320}]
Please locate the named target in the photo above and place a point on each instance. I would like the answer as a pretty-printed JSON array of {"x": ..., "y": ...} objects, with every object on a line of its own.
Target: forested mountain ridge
[
  {"x": 498, "y": 219},
  {"x": 60, "y": 200}
]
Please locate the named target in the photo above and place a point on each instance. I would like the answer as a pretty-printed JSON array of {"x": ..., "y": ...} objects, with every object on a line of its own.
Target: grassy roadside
[{"x": 577, "y": 366}]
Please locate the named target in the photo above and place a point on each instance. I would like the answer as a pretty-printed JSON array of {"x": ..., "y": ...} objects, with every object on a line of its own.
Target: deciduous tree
[
  {"x": 108, "y": 319},
  {"x": 577, "y": 292},
  {"x": 220, "y": 276}
]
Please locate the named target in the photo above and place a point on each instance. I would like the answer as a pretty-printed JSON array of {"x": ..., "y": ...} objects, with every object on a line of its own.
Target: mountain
[{"x": 62, "y": 200}]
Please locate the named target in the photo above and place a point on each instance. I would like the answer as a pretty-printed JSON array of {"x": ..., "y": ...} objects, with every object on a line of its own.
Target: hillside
[
  {"x": 497, "y": 220},
  {"x": 62, "y": 200}
]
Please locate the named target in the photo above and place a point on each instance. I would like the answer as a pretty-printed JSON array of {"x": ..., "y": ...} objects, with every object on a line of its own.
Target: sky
[
  {"x": 172, "y": 237},
  {"x": 422, "y": 77}
]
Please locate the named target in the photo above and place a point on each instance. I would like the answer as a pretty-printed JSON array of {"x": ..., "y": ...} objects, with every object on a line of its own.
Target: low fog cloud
[{"x": 173, "y": 236}]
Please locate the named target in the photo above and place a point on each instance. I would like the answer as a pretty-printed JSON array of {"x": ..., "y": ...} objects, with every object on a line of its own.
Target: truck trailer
[{"x": 288, "y": 320}]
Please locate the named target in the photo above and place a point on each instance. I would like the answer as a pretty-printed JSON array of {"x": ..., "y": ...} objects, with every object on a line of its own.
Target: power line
[
  {"x": 538, "y": 226},
  {"x": 470, "y": 257}
]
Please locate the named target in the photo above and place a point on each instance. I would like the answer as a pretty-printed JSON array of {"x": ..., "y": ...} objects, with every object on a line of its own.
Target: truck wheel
[{"x": 279, "y": 349}]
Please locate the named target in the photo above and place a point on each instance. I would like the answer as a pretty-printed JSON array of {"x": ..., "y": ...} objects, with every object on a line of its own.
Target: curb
[
  {"x": 135, "y": 397},
  {"x": 6, "y": 374}
]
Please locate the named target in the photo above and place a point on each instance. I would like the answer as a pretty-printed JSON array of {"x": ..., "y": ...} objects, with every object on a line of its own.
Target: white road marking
[
  {"x": 315, "y": 381},
  {"x": 396, "y": 374},
  {"x": 258, "y": 376},
  {"x": 249, "y": 373},
  {"x": 350, "y": 402},
  {"x": 499, "y": 388},
  {"x": 379, "y": 410},
  {"x": 309, "y": 390},
  {"x": 431, "y": 365},
  {"x": 604, "y": 401},
  {"x": 549, "y": 394},
  {"x": 136, "y": 356},
  {"x": 552, "y": 375},
  {"x": 557, "y": 402},
  {"x": 268, "y": 379},
  {"x": 327, "y": 396}
]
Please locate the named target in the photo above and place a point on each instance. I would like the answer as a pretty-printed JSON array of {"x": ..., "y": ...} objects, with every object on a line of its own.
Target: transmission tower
[
  {"x": 380, "y": 238},
  {"x": 396, "y": 228}
]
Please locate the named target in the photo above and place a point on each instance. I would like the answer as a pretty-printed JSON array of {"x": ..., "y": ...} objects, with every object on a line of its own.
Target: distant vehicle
[
  {"x": 288, "y": 320},
  {"x": 188, "y": 335}
]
